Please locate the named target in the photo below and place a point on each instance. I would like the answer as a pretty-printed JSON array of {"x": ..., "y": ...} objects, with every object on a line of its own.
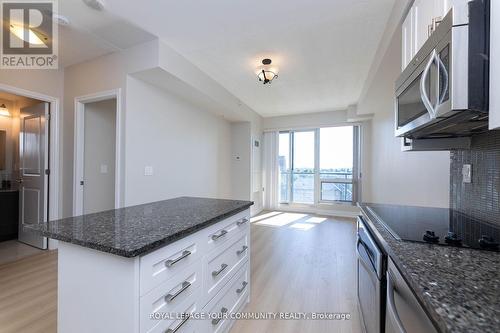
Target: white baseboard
[{"x": 319, "y": 211}]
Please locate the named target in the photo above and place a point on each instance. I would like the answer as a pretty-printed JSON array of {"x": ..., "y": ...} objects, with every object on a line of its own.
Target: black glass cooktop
[{"x": 436, "y": 225}]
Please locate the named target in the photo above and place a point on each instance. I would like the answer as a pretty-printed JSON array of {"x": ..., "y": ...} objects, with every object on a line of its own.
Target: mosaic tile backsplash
[{"x": 479, "y": 199}]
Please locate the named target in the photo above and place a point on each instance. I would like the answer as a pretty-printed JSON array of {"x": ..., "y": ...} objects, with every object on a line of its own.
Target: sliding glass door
[{"x": 318, "y": 166}]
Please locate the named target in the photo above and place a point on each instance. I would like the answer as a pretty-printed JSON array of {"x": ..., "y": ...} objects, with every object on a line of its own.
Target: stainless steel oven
[
  {"x": 444, "y": 90},
  {"x": 370, "y": 284},
  {"x": 404, "y": 313}
]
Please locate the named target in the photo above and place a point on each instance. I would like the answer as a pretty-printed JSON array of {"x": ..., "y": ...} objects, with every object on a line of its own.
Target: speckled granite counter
[
  {"x": 137, "y": 230},
  {"x": 459, "y": 288}
]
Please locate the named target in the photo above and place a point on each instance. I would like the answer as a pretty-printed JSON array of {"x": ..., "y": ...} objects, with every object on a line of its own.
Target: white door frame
[
  {"x": 79, "y": 157},
  {"x": 55, "y": 162}
]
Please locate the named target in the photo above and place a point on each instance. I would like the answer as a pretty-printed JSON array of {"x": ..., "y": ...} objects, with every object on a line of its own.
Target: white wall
[
  {"x": 188, "y": 148},
  {"x": 393, "y": 176},
  {"x": 120, "y": 70},
  {"x": 240, "y": 160},
  {"x": 99, "y": 152},
  {"x": 320, "y": 119}
]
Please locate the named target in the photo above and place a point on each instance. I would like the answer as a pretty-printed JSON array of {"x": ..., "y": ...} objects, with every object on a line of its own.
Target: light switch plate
[
  {"x": 104, "y": 168},
  {"x": 148, "y": 171},
  {"x": 467, "y": 173}
]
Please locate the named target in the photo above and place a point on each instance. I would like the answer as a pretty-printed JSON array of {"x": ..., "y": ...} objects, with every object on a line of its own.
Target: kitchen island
[{"x": 153, "y": 267}]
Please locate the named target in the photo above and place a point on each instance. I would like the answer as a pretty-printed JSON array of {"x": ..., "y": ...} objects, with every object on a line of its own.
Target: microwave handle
[
  {"x": 423, "y": 93},
  {"x": 444, "y": 71}
]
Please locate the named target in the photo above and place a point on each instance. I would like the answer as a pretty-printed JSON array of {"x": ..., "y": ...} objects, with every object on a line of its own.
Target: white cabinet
[
  {"x": 407, "y": 42},
  {"x": 495, "y": 65},
  {"x": 422, "y": 19},
  {"x": 424, "y": 16},
  {"x": 181, "y": 287}
]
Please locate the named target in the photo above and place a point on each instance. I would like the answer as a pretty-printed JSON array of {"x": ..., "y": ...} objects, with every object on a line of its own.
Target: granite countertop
[
  {"x": 137, "y": 230},
  {"x": 459, "y": 288}
]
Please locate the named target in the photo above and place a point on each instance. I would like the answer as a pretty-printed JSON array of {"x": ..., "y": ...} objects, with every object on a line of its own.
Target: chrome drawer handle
[
  {"x": 180, "y": 324},
  {"x": 170, "y": 297},
  {"x": 216, "y": 321},
  {"x": 243, "y": 286},
  {"x": 216, "y": 237},
  {"x": 242, "y": 221},
  {"x": 243, "y": 249},
  {"x": 222, "y": 267},
  {"x": 171, "y": 262}
]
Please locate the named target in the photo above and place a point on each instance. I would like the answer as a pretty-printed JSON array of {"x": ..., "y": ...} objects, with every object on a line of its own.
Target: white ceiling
[
  {"x": 93, "y": 33},
  {"x": 323, "y": 49}
]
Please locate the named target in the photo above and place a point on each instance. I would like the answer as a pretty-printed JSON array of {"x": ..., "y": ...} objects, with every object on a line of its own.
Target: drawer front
[
  {"x": 219, "y": 233},
  {"x": 229, "y": 300},
  {"x": 221, "y": 264},
  {"x": 170, "y": 295},
  {"x": 163, "y": 264},
  {"x": 182, "y": 324}
]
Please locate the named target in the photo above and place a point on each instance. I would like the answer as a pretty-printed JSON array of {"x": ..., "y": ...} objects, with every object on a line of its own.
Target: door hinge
[{"x": 47, "y": 172}]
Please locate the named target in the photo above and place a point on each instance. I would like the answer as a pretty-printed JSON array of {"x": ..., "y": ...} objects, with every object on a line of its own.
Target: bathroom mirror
[{"x": 3, "y": 152}]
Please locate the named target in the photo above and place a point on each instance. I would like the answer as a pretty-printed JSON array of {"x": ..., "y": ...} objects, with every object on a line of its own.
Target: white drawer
[
  {"x": 180, "y": 324},
  {"x": 228, "y": 300},
  {"x": 221, "y": 264},
  {"x": 184, "y": 287},
  {"x": 217, "y": 234},
  {"x": 162, "y": 264}
]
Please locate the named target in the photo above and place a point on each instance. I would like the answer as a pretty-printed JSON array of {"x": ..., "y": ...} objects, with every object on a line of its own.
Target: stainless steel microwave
[{"x": 444, "y": 90}]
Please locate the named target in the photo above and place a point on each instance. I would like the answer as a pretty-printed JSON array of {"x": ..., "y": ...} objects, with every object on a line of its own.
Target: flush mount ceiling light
[
  {"x": 4, "y": 111},
  {"x": 61, "y": 20},
  {"x": 31, "y": 37},
  {"x": 95, "y": 4},
  {"x": 266, "y": 75}
]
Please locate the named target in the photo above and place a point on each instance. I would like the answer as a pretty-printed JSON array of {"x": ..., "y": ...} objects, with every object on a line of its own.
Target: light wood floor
[
  {"x": 28, "y": 294},
  {"x": 13, "y": 250},
  {"x": 300, "y": 263},
  {"x": 307, "y": 265}
]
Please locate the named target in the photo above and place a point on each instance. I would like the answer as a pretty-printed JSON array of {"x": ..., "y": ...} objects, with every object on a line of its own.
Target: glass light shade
[
  {"x": 270, "y": 76},
  {"x": 18, "y": 31},
  {"x": 4, "y": 111}
]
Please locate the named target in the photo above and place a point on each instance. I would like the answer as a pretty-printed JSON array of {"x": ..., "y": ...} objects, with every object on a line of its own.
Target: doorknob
[
  {"x": 19, "y": 180},
  {"x": 81, "y": 182}
]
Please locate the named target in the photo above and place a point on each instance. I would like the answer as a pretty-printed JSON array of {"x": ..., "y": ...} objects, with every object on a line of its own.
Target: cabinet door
[
  {"x": 407, "y": 40},
  {"x": 495, "y": 65},
  {"x": 424, "y": 13},
  {"x": 442, "y": 7}
]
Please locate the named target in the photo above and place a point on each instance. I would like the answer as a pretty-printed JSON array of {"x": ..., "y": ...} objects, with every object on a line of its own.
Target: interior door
[{"x": 33, "y": 179}]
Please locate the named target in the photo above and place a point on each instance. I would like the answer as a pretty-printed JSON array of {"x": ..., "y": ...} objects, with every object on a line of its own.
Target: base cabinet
[{"x": 192, "y": 285}]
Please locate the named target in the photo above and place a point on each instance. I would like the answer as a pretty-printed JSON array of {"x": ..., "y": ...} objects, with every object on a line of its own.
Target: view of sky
[{"x": 336, "y": 148}]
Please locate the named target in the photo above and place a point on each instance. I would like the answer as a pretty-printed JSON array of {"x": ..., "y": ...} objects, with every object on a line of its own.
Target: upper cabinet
[
  {"x": 422, "y": 19},
  {"x": 495, "y": 65},
  {"x": 407, "y": 42}
]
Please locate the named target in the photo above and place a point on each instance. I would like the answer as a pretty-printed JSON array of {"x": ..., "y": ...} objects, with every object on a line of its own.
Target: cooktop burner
[{"x": 437, "y": 226}]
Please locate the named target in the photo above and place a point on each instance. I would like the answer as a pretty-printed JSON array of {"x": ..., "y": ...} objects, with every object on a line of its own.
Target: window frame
[{"x": 318, "y": 180}]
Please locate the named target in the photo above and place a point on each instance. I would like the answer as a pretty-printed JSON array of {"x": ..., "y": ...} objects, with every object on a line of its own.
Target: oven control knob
[{"x": 430, "y": 237}]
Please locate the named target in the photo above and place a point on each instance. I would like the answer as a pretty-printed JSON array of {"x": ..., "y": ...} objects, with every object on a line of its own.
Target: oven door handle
[
  {"x": 391, "y": 304},
  {"x": 423, "y": 92},
  {"x": 368, "y": 265}
]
